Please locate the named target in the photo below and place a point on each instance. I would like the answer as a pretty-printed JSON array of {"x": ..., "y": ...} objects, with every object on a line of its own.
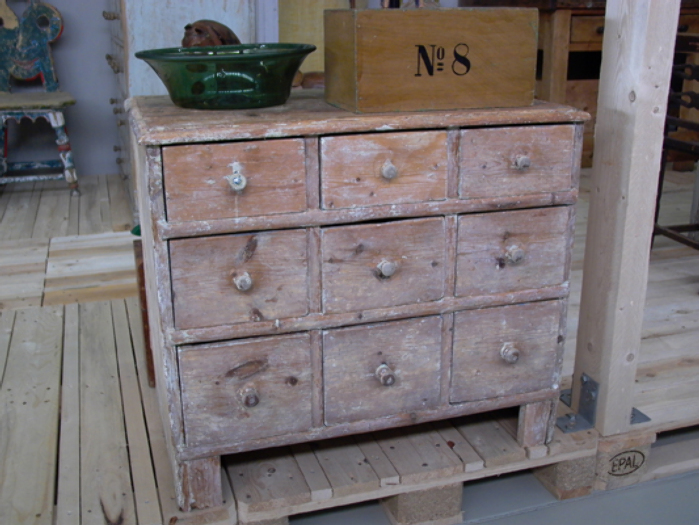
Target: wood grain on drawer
[
  {"x": 198, "y": 187},
  {"x": 587, "y": 29},
  {"x": 505, "y": 351},
  {"x": 382, "y": 369},
  {"x": 391, "y": 168},
  {"x": 237, "y": 278},
  {"x": 382, "y": 265},
  {"x": 499, "y": 162},
  {"x": 243, "y": 390},
  {"x": 510, "y": 251}
]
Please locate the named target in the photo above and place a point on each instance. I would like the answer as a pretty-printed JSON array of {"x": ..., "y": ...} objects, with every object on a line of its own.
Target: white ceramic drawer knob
[
  {"x": 514, "y": 255},
  {"x": 242, "y": 281},
  {"x": 509, "y": 353},
  {"x": 388, "y": 170},
  {"x": 236, "y": 179},
  {"x": 385, "y": 375},
  {"x": 249, "y": 397},
  {"x": 522, "y": 162},
  {"x": 387, "y": 269}
]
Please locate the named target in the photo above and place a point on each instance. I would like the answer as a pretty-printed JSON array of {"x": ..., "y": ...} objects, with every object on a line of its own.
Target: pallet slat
[
  {"x": 108, "y": 497},
  {"x": 145, "y": 490},
  {"x": 68, "y": 495},
  {"x": 30, "y": 397}
]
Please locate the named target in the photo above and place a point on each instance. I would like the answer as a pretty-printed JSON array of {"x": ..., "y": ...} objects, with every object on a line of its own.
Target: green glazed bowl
[{"x": 228, "y": 77}]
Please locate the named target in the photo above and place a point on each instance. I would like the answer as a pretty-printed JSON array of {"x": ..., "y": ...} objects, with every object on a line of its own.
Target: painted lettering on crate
[
  {"x": 626, "y": 463},
  {"x": 432, "y": 58}
]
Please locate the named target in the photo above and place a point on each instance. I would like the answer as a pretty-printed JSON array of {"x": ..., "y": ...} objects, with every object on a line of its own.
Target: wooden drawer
[
  {"x": 239, "y": 278},
  {"x": 509, "y": 251},
  {"x": 505, "y": 351},
  {"x": 406, "y": 354},
  {"x": 391, "y": 168},
  {"x": 586, "y": 29},
  {"x": 249, "y": 389},
  {"x": 382, "y": 265},
  {"x": 238, "y": 179},
  {"x": 501, "y": 162}
]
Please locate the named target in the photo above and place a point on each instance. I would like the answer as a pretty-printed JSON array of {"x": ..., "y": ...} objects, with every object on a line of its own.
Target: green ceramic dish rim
[{"x": 238, "y": 52}]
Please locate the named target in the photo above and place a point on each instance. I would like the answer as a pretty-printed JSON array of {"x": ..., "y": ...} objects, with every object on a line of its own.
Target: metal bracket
[
  {"x": 587, "y": 408},
  {"x": 638, "y": 417}
]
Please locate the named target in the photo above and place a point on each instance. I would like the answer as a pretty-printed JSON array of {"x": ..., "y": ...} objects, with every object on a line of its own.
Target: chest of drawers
[{"x": 313, "y": 273}]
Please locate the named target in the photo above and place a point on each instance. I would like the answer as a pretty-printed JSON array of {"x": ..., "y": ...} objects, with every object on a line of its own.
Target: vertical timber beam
[
  {"x": 637, "y": 55},
  {"x": 555, "y": 42}
]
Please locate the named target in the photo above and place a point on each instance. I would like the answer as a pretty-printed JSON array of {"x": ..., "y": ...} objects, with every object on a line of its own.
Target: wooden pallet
[{"x": 270, "y": 485}]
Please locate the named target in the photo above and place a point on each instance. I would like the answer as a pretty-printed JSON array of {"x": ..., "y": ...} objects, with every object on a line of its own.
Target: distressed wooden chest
[{"x": 313, "y": 273}]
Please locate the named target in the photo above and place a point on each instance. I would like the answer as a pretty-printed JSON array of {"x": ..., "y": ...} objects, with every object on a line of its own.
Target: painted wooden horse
[{"x": 25, "y": 52}]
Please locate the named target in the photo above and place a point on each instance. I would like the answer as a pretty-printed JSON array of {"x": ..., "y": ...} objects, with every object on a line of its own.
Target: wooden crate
[{"x": 430, "y": 59}]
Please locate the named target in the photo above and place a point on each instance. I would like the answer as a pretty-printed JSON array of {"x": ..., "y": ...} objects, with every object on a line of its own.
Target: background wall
[{"x": 83, "y": 72}]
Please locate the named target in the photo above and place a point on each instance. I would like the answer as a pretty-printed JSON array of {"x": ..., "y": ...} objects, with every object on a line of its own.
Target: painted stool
[
  {"x": 33, "y": 106},
  {"x": 25, "y": 54}
]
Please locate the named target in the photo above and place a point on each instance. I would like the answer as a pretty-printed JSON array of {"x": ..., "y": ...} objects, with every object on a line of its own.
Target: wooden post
[
  {"x": 555, "y": 41},
  {"x": 637, "y": 57}
]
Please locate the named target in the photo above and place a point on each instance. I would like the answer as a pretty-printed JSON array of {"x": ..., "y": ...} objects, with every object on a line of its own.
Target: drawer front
[
  {"x": 246, "y": 390},
  {"x": 501, "y": 162},
  {"x": 510, "y": 251},
  {"x": 238, "y": 278},
  {"x": 381, "y": 370},
  {"x": 382, "y": 265},
  {"x": 238, "y": 179},
  {"x": 586, "y": 29},
  {"x": 505, "y": 351},
  {"x": 392, "y": 168}
]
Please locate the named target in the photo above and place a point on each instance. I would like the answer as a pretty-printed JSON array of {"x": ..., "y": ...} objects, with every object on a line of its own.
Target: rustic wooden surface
[
  {"x": 216, "y": 378},
  {"x": 489, "y": 160},
  {"x": 205, "y": 269},
  {"x": 351, "y": 357},
  {"x": 196, "y": 187},
  {"x": 514, "y": 250},
  {"x": 480, "y": 372},
  {"x": 353, "y": 168},
  {"x": 352, "y": 257},
  {"x": 156, "y": 120},
  {"x": 387, "y": 74}
]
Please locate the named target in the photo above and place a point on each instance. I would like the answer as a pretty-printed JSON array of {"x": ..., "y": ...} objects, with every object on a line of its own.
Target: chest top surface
[{"x": 156, "y": 121}]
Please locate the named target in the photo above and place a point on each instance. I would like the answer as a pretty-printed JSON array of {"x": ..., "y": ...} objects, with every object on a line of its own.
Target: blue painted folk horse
[{"x": 25, "y": 52}]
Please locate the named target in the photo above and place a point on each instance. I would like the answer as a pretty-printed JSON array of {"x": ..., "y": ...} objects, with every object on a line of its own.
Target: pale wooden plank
[
  {"x": 7, "y": 321},
  {"x": 119, "y": 203},
  {"x": 382, "y": 466},
  {"x": 492, "y": 442},
  {"x": 54, "y": 210},
  {"x": 108, "y": 497},
  {"x": 266, "y": 480},
  {"x": 18, "y": 220},
  {"x": 145, "y": 490},
  {"x": 90, "y": 212},
  {"x": 419, "y": 454},
  {"x": 344, "y": 465},
  {"x": 312, "y": 472},
  {"x": 462, "y": 448},
  {"x": 29, "y": 418},
  {"x": 105, "y": 211},
  {"x": 68, "y": 493},
  {"x": 637, "y": 58}
]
